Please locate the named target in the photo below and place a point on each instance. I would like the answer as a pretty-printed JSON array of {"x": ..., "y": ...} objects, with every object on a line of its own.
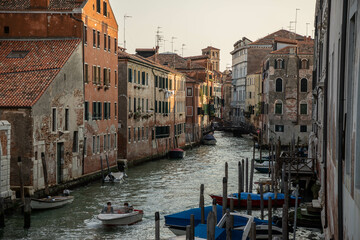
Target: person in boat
[
  {"x": 127, "y": 208},
  {"x": 108, "y": 208}
]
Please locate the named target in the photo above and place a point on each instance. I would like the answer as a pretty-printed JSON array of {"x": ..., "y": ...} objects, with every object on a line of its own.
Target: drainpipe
[
  {"x": 325, "y": 132},
  {"x": 341, "y": 119}
]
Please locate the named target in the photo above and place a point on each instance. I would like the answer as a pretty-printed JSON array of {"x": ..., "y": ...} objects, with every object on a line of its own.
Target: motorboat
[
  {"x": 277, "y": 199},
  {"x": 50, "y": 202},
  {"x": 176, "y": 153},
  {"x": 120, "y": 217},
  {"x": 264, "y": 167},
  {"x": 115, "y": 177},
  {"x": 209, "y": 139}
]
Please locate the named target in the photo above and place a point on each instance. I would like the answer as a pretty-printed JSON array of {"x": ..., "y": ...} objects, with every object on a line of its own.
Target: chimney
[
  {"x": 39, "y": 4},
  {"x": 188, "y": 63}
]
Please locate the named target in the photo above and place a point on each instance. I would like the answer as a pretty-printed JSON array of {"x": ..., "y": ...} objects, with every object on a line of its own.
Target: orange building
[{"x": 93, "y": 22}]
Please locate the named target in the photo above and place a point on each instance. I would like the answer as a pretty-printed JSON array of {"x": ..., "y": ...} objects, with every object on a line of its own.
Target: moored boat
[
  {"x": 255, "y": 199},
  {"x": 176, "y": 153},
  {"x": 50, "y": 202},
  {"x": 121, "y": 218},
  {"x": 115, "y": 177},
  {"x": 209, "y": 139}
]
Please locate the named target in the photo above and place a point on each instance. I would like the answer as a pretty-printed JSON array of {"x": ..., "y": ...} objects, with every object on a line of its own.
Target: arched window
[
  {"x": 304, "y": 64},
  {"x": 278, "y": 107},
  {"x": 303, "y": 86},
  {"x": 303, "y": 108},
  {"x": 279, "y": 63},
  {"x": 278, "y": 87}
]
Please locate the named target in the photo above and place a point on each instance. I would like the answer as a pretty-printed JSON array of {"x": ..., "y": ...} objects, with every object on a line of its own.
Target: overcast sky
[{"x": 202, "y": 23}]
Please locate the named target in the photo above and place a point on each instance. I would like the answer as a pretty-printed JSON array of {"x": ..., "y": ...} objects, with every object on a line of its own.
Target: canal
[{"x": 167, "y": 186}]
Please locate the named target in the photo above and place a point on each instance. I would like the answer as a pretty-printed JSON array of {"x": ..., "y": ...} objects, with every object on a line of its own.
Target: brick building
[
  {"x": 94, "y": 24},
  {"x": 42, "y": 97},
  {"x": 151, "y": 107},
  {"x": 287, "y": 92}
]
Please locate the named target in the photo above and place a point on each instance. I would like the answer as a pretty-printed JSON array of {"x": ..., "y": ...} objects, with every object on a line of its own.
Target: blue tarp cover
[
  {"x": 220, "y": 233},
  {"x": 182, "y": 219},
  {"x": 209, "y": 137},
  {"x": 255, "y": 196}
]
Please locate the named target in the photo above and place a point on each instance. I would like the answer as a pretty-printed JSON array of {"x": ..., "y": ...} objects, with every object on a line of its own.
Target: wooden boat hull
[
  {"x": 254, "y": 203},
  {"x": 121, "y": 218},
  {"x": 49, "y": 203},
  {"x": 116, "y": 177},
  {"x": 176, "y": 154}
]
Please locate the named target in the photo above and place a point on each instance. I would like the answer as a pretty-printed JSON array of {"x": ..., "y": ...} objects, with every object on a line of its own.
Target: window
[
  {"x": 139, "y": 77},
  {"x": 129, "y": 104},
  {"x": 147, "y": 79},
  {"x": 147, "y": 105},
  {"x": 6, "y": 29},
  {"x": 93, "y": 145},
  {"x": 167, "y": 83},
  {"x": 75, "y": 142},
  {"x": 105, "y": 8},
  {"x": 105, "y": 76},
  {"x": 85, "y": 34},
  {"x": 115, "y": 141},
  {"x": 134, "y": 134},
  {"x": 109, "y": 43},
  {"x": 105, "y": 111},
  {"x": 170, "y": 84},
  {"x": 304, "y": 87},
  {"x": 143, "y": 133},
  {"x": 116, "y": 78},
  {"x": 189, "y": 92},
  {"x": 162, "y": 132},
  {"x": 279, "y": 64},
  {"x": 105, "y": 142},
  {"x": 279, "y": 128},
  {"x": 156, "y": 81},
  {"x": 304, "y": 64},
  {"x": 115, "y": 45},
  {"x": 142, "y": 105},
  {"x": 108, "y": 142},
  {"x": 105, "y": 40},
  {"x": 98, "y": 39},
  {"x": 86, "y": 73},
  {"x": 98, "y": 144},
  {"x": 85, "y": 147},
  {"x": 278, "y": 108},
  {"x": 129, "y": 135},
  {"x": 98, "y": 75},
  {"x": 139, "y": 133},
  {"x": 134, "y": 76},
  {"x": 54, "y": 119},
  {"x": 279, "y": 87},
  {"x": 94, "y": 38},
  {"x": 303, "y": 108},
  {"x": 303, "y": 128},
  {"x": 86, "y": 111},
  {"x": 143, "y": 78},
  {"x": 98, "y": 6},
  {"x": 134, "y": 104},
  {"x": 115, "y": 110},
  {"x": 156, "y": 107},
  {"x": 66, "y": 119}
]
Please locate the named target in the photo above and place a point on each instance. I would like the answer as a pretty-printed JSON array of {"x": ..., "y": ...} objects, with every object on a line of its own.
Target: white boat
[
  {"x": 50, "y": 202},
  {"x": 120, "y": 218},
  {"x": 115, "y": 177}
]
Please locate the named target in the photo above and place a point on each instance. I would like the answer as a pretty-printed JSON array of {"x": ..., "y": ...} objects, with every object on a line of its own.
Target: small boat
[
  {"x": 264, "y": 159},
  {"x": 119, "y": 217},
  {"x": 255, "y": 199},
  {"x": 50, "y": 202},
  {"x": 176, "y": 153},
  {"x": 177, "y": 222},
  {"x": 115, "y": 177},
  {"x": 263, "y": 167},
  {"x": 209, "y": 139}
]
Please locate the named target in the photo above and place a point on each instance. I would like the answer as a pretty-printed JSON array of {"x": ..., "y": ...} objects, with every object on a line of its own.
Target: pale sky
[{"x": 202, "y": 23}]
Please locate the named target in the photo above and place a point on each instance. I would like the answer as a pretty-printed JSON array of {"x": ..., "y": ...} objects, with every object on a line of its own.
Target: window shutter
[{"x": 276, "y": 64}]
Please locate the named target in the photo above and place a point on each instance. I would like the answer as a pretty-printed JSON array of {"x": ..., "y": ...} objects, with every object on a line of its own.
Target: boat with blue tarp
[{"x": 277, "y": 199}]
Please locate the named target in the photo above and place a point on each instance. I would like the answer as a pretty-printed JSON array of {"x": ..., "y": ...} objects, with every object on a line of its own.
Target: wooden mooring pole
[
  {"x": 228, "y": 225},
  {"x": 261, "y": 201},
  {"x": 253, "y": 231},
  {"x": 201, "y": 204},
  {"x": 285, "y": 232},
  {"x": 226, "y": 170},
  {"x": 251, "y": 175},
  {"x": 224, "y": 200},
  {"x": 27, "y": 213},
  {"x": 249, "y": 205},
  {"x": 192, "y": 227},
  {"x": 157, "y": 226},
  {"x": 240, "y": 178},
  {"x": 210, "y": 227},
  {"x": 2, "y": 214},
  {"x": 270, "y": 218},
  {"x": 214, "y": 208},
  {"x": 247, "y": 175},
  {"x": 21, "y": 181}
]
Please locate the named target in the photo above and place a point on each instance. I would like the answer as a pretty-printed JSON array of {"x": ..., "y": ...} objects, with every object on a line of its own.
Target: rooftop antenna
[
  {"x": 172, "y": 43},
  {"x": 158, "y": 36},
  {"x": 182, "y": 49},
  {"x": 291, "y": 28},
  {"x": 125, "y": 17},
  {"x": 307, "y": 25}
]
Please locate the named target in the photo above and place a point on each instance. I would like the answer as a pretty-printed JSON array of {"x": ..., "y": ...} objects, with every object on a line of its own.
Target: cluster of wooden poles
[{"x": 243, "y": 179}]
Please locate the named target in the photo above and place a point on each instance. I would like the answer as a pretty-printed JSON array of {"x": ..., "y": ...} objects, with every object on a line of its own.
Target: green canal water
[{"x": 166, "y": 186}]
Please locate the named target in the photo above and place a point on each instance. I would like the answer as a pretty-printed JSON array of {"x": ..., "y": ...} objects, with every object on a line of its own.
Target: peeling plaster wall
[{"x": 65, "y": 92}]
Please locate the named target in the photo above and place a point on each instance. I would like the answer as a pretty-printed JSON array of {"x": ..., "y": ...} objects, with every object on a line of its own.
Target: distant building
[
  {"x": 227, "y": 96},
  {"x": 151, "y": 108},
  {"x": 5, "y": 156},
  {"x": 253, "y": 98},
  {"x": 42, "y": 97},
  {"x": 287, "y": 95}
]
